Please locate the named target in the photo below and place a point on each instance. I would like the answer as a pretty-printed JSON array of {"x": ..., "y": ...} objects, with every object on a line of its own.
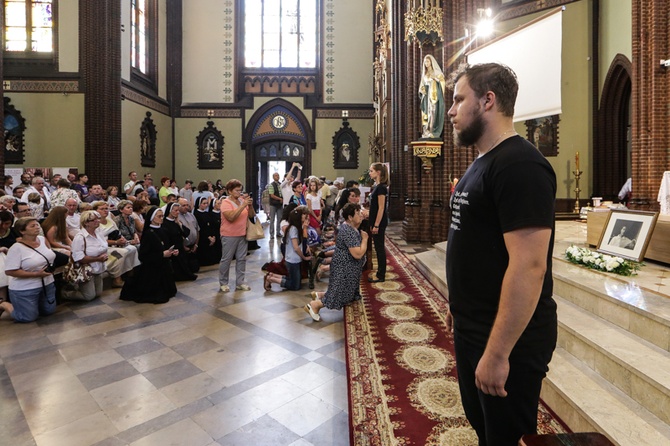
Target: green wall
[
  {"x": 131, "y": 120},
  {"x": 54, "y": 134}
]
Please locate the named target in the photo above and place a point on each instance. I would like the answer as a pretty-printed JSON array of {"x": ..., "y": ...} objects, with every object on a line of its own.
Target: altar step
[
  {"x": 611, "y": 370},
  {"x": 432, "y": 264}
]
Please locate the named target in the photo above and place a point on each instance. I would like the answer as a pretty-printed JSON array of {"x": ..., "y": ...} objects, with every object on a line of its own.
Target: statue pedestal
[{"x": 427, "y": 150}]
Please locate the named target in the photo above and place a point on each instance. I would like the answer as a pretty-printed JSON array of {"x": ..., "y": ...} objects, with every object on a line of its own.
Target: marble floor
[{"x": 207, "y": 368}]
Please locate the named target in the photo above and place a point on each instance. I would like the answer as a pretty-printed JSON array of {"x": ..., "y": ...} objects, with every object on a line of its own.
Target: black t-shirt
[
  {"x": 510, "y": 187},
  {"x": 378, "y": 190}
]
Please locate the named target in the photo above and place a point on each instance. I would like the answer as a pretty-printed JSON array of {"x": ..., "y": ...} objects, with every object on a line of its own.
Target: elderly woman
[
  {"x": 122, "y": 257},
  {"x": 29, "y": 265},
  {"x": 347, "y": 265},
  {"x": 153, "y": 281},
  {"x": 88, "y": 247},
  {"x": 173, "y": 233},
  {"x": 126, "y": 223},
  {"x": 55, "y": 230},
  {"x": 235, "y": 210}
]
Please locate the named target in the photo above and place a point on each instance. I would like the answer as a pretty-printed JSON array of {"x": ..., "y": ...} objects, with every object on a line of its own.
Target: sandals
[
  {"x": 266, "y": 282},
  {"x": 308, "y": 309},
  {"x": 314, "y": 295}
]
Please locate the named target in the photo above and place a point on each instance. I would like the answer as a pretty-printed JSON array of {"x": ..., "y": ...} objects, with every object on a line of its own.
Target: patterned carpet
[{"x": 401, "y": 368}]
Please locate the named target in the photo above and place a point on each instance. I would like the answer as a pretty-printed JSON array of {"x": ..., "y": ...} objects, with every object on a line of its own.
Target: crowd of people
[{"x": 136, "y": 233}]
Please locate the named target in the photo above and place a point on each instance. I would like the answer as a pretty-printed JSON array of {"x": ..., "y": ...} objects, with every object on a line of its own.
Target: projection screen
[{"x": 534, "y": 53}]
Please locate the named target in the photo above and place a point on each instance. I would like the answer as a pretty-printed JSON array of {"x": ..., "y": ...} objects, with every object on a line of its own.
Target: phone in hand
[{"x": 171, "y": 248}]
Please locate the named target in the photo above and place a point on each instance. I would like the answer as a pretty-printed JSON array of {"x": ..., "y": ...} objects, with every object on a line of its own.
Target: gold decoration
[
  {"x": 423, "y": 24},
  {"x": 427, "y": 150}
]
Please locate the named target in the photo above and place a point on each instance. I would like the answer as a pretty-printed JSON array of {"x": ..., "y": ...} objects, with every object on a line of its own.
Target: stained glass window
[
  {"x": 280, "y": 33},
  {"x": 29, "y": 25}
]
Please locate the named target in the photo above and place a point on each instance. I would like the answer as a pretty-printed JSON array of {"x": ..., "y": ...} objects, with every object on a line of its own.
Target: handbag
[
  {"x": 77, "y": 273},
  {"x": 254, "y": 230}
]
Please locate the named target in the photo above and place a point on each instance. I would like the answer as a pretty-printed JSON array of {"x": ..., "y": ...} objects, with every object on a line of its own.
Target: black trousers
[
  {"x": 502, "y": 421},
  {"x": 378, "y": 240}
]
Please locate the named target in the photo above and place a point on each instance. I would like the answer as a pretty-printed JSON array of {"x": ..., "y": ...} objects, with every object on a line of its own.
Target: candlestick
[{"x": 577, "y": 160}]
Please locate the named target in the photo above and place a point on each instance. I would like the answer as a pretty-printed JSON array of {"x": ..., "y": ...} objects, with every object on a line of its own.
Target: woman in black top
[{"x": 378, "y": 216}]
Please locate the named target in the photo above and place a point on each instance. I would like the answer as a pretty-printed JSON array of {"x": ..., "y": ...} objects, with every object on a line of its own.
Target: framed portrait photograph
[
  {"x": 627, "y": 234},
  {"x": 345, "y": 148}
]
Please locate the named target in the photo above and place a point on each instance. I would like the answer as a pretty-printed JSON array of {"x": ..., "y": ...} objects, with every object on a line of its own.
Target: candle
[{"x": 577, "y": 161}]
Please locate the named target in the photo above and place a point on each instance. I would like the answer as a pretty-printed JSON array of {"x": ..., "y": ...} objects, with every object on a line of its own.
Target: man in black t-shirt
[{"x": 499, "y": 260}]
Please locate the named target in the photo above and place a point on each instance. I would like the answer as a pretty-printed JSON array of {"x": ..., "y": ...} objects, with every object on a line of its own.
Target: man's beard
[{"x": 472, "y": 133}]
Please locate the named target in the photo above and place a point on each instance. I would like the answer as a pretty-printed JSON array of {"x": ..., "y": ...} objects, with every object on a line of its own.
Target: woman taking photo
[
  {"x": 296, "y": 253},
  {"x": 29, "y": 265},
  {"x": 89, "y": 247},
  {"x": 235, "y": 210},
  {"x": 55, "y": 230},
  {"x": 346, "y": 267},
  {"x": 378, "y": 217},
  {"x": 153, "y": 282}
]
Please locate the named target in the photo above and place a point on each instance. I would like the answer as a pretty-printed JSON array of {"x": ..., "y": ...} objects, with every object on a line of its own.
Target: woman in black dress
[
  {"x": 378, "y": 216},
  {"x": 173, "y": 233},
  {"x": 209, "y": 251},
  {"x": 153, "y": 281}
]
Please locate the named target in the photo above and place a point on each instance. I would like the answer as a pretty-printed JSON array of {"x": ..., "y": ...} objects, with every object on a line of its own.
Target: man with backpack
[{"x": 276, "y": 205}]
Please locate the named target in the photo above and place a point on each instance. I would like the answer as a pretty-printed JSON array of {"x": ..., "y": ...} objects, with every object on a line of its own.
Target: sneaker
[
  {"x": 243, "y": 287},
  {"x": 308, "y": 309},
  {"x": 225, "y": 288}
]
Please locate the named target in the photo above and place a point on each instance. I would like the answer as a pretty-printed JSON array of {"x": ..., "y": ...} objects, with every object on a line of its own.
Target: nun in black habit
[
  {"x": 152, "y": 281},
  {"x": 172, "y": 232}
]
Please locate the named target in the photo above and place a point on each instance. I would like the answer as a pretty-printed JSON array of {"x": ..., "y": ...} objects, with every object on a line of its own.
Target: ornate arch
[
  {"x": 282, "y": 122},
  {"x": 611, "y": 154}
]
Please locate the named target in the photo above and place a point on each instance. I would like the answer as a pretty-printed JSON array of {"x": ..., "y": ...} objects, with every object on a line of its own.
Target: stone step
[
  {"x": 586, "y": 402},
  {"x": 619, "y": 300},
  {"x": 636, "y": 367},
  {"x": 433, "y": 266}
]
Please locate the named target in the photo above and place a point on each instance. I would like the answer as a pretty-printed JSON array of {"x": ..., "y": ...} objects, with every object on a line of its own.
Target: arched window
[
  {"x": 281, "y": 33},
  {"x": 29, "y": 26}
]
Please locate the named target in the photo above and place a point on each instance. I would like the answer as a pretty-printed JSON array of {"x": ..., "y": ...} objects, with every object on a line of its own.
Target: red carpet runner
[{"x": 401, "y": 370}]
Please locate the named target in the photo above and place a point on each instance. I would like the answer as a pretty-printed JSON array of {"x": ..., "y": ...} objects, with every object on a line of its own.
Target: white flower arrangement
[{"x": 601, "y": 262}]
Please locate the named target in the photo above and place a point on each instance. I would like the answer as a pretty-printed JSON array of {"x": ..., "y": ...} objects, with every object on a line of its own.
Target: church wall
[
  {"x": 575, "y": 132},
  {"x": 68, "y": 36},
  {"x": 352, "y": 52},
  {"x": 54, "y": 135},
  {"x": 186, "y": 151},
  {"x": 616, "y": 34},
  {"x": 322, "y": 160},
  {"x": 204, "y": 46},
  {"x": 132, "y": 116}
]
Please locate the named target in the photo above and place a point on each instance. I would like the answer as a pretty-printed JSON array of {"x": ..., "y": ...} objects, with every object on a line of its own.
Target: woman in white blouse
[
  {"x": 29, "y": 265},
  {"x": 88, "y": 247}
]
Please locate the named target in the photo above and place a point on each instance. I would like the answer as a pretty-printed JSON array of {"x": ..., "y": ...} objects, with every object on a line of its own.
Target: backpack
[{"x": 273, "y": 201}]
